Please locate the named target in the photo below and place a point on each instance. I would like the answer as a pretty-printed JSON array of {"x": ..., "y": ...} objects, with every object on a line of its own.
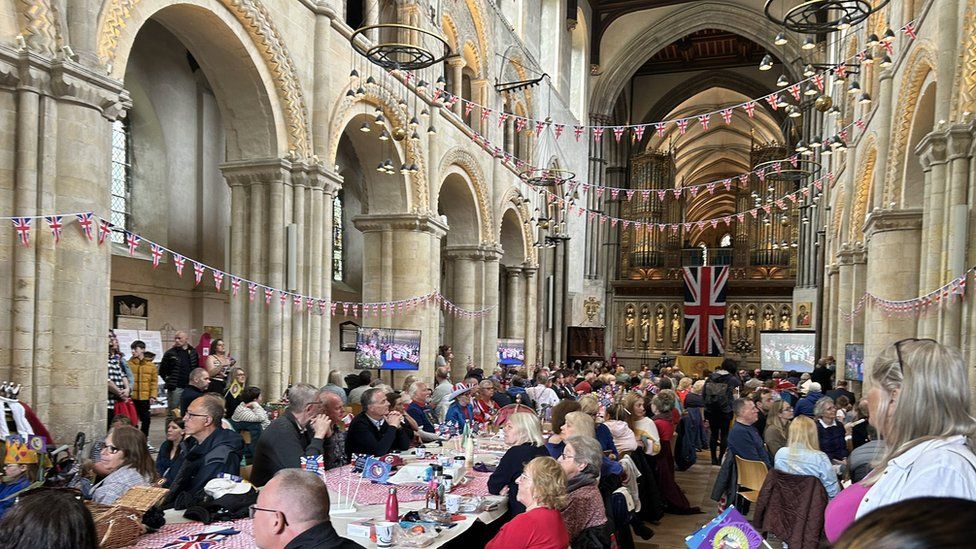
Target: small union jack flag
[
  {"x": 659, "y": 128},
  {"x": 682, "y": 126},
  {"x": 282, "y": 298},
  {"x": 252, "y": 289},
  {"x": 773, "y": 101},
  {"x": 85, "y": 222},
  {"x": 727, "y": 115},
  {"x": 520, "y": 124},
  {"x": 841, "y": 71},
  {"x": 54, "y": 223},
  {"x": 178, "y": 261},
  {"x": 539, "y": 126},
  {"x": 795, "y": 91},
  {"x": 818, "y": 81},
  {"x": 909, "y": 30},
  {"x": 104, "y": 229},
  {"x": 618, "y": 132},
  {"x": 235, "y": 285},
  {"x": 132, "y": 240},
  {"x": 268, "y": 292},
  {"x": 198, "y": 269},
  {"x": 889, "y": 48},
  {"x": 639, "y": 132},
  {"x": 750, "y": 108},
  {"x": 557, "y": 129},
  {"x": 157, "y": 253},
  {"x": 578, "y": 132},
  {"x": 598, "y": 134},
  {"x": 704, "y": 120},
  {"x": 23, "y": 226},
  {"x": 468, "y": 107},
  {"x": 728, "y": 184},
  {"x": 218, "y": 279},
  {"x": 485, "y": 113},
  {"x": 297, "y": 301},
  {"x": 502, "y": 117},
  {"x": 761, "y": 173}
]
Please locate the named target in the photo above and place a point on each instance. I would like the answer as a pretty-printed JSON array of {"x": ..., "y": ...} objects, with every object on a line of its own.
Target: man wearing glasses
[
  {"x": 376, "y": 431},
  {"x": 303, "y": 430},
  {"x": 210, "y": 450},
  {"x": 292, "y": 512}
]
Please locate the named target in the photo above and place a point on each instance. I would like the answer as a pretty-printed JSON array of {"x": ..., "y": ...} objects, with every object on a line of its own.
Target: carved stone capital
[
  {"x": 249, "y": 172},
  {"x": 932, "y": 150},
  {"x": 513, "y": 272},
  {"x": 529, "y": 270},
  {"x": 400, "y": 222},
  {"x": 959, "y": 141},
  {"x": 879, "y": 221}
]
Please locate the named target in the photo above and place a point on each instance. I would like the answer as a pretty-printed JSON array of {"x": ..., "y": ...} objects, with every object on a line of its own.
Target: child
[{"x": 19, "y": 470}]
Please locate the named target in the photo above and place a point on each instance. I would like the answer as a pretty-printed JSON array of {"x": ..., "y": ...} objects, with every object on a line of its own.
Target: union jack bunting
[
  {"x": 557, "y": 129},
  {"x": 132, "y": 240},
  {"x": 682, "y": 126},
  {"x": 23, "y": 225},
  {"x": 54, "y": 223},
  {"x": 157, "y": 253},
  {"x": 197, "y": 272},
  {"x": 727, "y": 115},
  {"x": 659, "y": 128},
  {"x": 178, "y": 261},
  {"x": 85, "y": 222},
  {"x": 909, "y": 30},
  {"x": 235, "y": 285},
  {"x": 104, "y": 229},
  {"x": 218, "y": 279},
  {"x": 252, "y": 289},
  {"x": 268, "y": 292},
  {"x": 578, "y": 132},
  {"x": 704, "y": 310},
  {"x": 704, "y": 120}
]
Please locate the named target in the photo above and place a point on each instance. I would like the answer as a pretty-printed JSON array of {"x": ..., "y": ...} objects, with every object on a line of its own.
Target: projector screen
[
  {"x": 785, "y": 351},
  {"x": 387, "y": 349}
]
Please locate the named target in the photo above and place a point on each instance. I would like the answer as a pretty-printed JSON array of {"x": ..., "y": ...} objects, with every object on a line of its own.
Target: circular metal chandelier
[
  {"x": 821, "y": 16},
  {"x": 786, "y": 171},
  {"x": 400, "y": 47},
  {"x": 546, "y": 177}
]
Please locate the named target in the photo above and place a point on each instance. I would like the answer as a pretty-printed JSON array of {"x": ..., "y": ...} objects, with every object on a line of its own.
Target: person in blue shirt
[
  {"x": 19, "y": 471},
  {"x": 744, "y": 440},
  {"x": 419, "y": 408},
  {"x": 802, "y": 455},
  {"x": 460, "y": 411}
]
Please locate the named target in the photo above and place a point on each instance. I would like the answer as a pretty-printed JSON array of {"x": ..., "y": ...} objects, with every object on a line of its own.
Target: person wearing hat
[
  {"x": 20, "y": 468},
  {"x": 460, "y": 411}
]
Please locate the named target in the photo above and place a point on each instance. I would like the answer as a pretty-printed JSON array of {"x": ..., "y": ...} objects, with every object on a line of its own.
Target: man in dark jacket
[
  {"x": 175, "y": 367},
  {"x": 209, "y": 450},
  {"x": 303, "y": 430},
  {"x": 821, "y": 374},
  {"x": 841, "y": 390},
  {"x": 744, "y": 440},
  {"x": 806, "y": 404},
  {"x": 292, "y": 512},
  {"x": 376, "y": 431},
  {"x": 199, "y": 381},
  {"x": 721, "y": 388}
]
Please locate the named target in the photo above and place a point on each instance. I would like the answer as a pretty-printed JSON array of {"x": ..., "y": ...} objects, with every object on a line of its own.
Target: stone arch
[
  {"x": 511, "y": 236},
  {"x": 120, "y": 21},
  {"x": 478, "y": 18},
  {"x": 457, "y": 201},
  {"x": 964, "y": 91},
  {"x": 920, "y": 63},
  {"x": 684, "y": 20},
  {"x": 41, "y": 24},
  {"x": 714, "y": 79},
  {"x": 862, "y": 190},
  {"x": 513, "y": 199},
  {"x": 471, "y": 57},
  {"x": 348, "y": 108},
  {"x": 911, "y": 189},
  {"x": 450, "y": 29},
  {"x": 467, "y": 164}
]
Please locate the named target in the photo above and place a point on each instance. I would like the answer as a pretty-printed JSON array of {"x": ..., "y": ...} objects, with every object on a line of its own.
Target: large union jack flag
[{"x": 705, "y": 310}]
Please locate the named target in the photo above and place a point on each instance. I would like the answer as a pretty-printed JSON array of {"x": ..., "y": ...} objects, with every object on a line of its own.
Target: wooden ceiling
[
  {"x": 705, "y": 49},
  {"x": 607, "y": 11}
]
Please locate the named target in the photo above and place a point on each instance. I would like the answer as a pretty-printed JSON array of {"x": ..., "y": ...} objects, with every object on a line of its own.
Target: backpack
[{"x": 717, "y": 396}]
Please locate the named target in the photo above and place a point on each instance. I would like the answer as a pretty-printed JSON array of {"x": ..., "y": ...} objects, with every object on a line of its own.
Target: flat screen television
[
  {"x": 511, "y": 352},
  {"x": 854, "y": 362},
  {"x": 785, "y": 351},
  {"x": 387, "y": 349}
]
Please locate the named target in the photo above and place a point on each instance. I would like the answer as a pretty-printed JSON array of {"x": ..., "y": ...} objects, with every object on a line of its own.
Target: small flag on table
[
  {"x": 729, "y": 529},
  {"x": 376, "y": 470}
]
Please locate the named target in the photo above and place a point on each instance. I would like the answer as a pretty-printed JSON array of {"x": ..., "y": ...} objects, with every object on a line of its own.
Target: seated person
[
  {"x": 624, "y": 439},
  {"x": 126, "y": 457},
  {"x": 376, "y": 431},
  {"x": 802, "y": 455},
  {"x": 523, "y": 436},
  {"x": 460, "y": 411},
  {"x": 581, "y": 460},
  {"x": 484, "y": 407},
  {"x": 556, "y": 422},
  {"x": 302, "y": 430},
  {"x": 20, "y": 469},
  {"x": 831, "y": 434},
  {"x": 209, "y": 450},
  {"x": 419, "y": 408},
  {"x": 744, "y": 440},
  {"x": 250, "y": 410},
  {"x": 52, "y": 519},
  {"x": 590, "y": 406},
  {"x": 541, "y": 495},
  {"x": 292, "y": 512},
  {"x": 198, "y": 384},
  {"x": 170, "y": 457}
]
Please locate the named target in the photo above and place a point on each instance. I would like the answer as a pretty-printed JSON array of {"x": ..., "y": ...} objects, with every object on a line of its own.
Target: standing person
[
  {"x": 442, "y": 387},
  {"x": 218, "y": 365},
  {"x": 542, "y": 394},
  {"x": 146, "y": 388},
  {"x": 177, "y": 363},
  {"x": 721, "y": 388},
  {"x": 445, "y": 354},
  {"x": 119, "y": 389},
  {"x": 232, "y": 396}
]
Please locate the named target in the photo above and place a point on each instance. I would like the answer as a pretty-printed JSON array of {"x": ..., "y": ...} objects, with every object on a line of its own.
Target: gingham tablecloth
[
  {"x": 375, "y": 494},
  {"x": 170, "y": 533}
]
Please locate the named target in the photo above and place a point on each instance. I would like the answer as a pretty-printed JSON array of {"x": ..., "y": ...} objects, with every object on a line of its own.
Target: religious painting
[{"x": 804, "y": 314}]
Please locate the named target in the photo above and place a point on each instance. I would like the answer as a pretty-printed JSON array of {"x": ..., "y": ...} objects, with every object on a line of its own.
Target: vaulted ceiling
[{"x": 608, "y": 11}]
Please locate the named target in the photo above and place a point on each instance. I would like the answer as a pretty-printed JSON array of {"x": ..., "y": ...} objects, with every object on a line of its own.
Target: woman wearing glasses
[
  {"x": 585, "y": 514},
  {"x": 777, "y": 426},
  {"x": 126, "y": 457},
  {"x": 920, "y": 401},
  {"x": 542, "y": 489}
]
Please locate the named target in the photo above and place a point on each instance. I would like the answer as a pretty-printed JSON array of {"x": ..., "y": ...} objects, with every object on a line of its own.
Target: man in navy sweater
[{"x": 744, "y": 440}]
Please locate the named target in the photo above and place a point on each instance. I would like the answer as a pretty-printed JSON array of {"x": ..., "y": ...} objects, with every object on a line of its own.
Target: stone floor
[{"x": 697, "y": 484}]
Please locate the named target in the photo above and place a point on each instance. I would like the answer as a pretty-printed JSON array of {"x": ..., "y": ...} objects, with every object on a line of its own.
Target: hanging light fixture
[
  {"x": 360, "y": 92},
  {"x": 808, "y": 43},
  {"x": 793, "y": 112},
  {"x": 431, "y": 130},
  {"x": 843, "y": 23},
  {"x": 809, "y": 71},
  {"x": 440, "y": 82},
  {"x": 404, "y": 169},
  {"x": 854, "y": 87},
  {"x": 782, "y": 81},
  {"x": 868, "y": 58},
  {"x": 865, "y": 99},
  {"x": 414, "y": 122},
  {"x": 780, "y": 39},
  {"x": 766, "y": 63},
  {"x": 354, "y": 74},
  {"x": 415, "y": 136},
  {"x": 873, "y": 40},
  {"x": 810, "y": 90},
  {"x": 816, "y": 142},
  {"x": 381, "y": 167},
  {"x": 801, "y": 146},
  {"x": 885, "y": 61},
  {"x": 889, "y": 35},
  {"x": 364, "y": 127},
  {"x": 384, "y": 135},
  {"x": 380, "y": 120},
  {"x": 351, "y": 94},
  {"x": 422, "y": 86}
]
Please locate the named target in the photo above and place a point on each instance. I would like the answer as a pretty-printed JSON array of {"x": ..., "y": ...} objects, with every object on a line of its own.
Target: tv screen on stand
[
  {"x": 786, "y": 351},
  {"x": 511, "y": 352},
  {"x": 387, "y": 349}
]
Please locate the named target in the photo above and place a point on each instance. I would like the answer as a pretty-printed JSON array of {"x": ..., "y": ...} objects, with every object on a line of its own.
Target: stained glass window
[
  {"x": 338, "y": 266},
  {"x": 121, "y": 176}
]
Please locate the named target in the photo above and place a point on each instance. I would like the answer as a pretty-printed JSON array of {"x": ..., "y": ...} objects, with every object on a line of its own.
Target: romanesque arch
[
  {"x": 862, "y": 190},
  {"x": 513, "y": 200},
  {"x": 467, "y": 163},
  {"x": 921, "y": 62}
]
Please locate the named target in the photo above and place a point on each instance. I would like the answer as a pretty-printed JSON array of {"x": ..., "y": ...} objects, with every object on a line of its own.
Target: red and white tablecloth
[
  {"x": 375, "y": 494},
  {"x": 172, "y": 532}
]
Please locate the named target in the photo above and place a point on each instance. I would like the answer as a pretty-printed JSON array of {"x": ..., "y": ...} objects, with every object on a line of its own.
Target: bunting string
[
  {"x": 88, "y": 223},
  {"x": 917, "y": 306}
]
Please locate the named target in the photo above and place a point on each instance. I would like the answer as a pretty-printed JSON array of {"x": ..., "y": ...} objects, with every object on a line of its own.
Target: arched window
[
  {"x": 121, "y": 176},
  {"x": 355, "y": 16},
  {"x": 725, "y": 241},
  {"x": 338, "y": 265}
]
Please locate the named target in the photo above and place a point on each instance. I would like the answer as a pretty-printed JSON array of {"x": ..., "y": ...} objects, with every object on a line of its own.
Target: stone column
[
  {"x": 532, "y": 317},
  {"x": 893, "y": 238},
  {"x": 489, "y": 353},
  {"x": 884, "y": 115},
  {"x": 932, "y": 156},
  {"x": 845, "y": 268},
  {"x": 479, "y": 94},
  {"x": 859, "y": 261},
  {"x": 516, "y": 301},
  {"x": 832, "y": 315},
  {"x": 457, "y": 64},
  {"x": 465, "y": 259},
  {"x": 959, "y": 145}
]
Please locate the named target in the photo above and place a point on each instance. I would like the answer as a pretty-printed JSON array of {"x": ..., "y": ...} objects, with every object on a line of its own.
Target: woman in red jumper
[{"x": 542, "y": 489}]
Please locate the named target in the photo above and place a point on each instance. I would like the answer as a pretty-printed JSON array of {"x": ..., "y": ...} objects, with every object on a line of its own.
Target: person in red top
[
  {"x": 484, "y": 407},
  {"x": 542, "y": 489},
  {"x": 585, "y": 386}
]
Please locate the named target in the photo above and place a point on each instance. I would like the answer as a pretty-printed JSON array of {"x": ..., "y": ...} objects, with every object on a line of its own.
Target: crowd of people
[{"x": 592, "y": 450}]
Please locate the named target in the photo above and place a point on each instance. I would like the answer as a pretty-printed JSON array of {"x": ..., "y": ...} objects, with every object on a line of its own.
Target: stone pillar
[
  {"x": 845, "y": 299},
  {"x": 883, "y": 139},
  {"x": 489, "y": 354},
  {"x": 457, "y": 64},
  {"x": 832, "y": 314},
  {"x": 479, "y": 94},
  {"x": 893, "y": 238},
  {"x": 859, "y": 261},
  {"x": 959, "y": 145},
  {"x": 932, "y": 156},
  {"x": 413, "y": 271},
  {"x": 516, "y": 301},
  {"x": 532, "y": 317},
  {"x": 465, "y": 259}
]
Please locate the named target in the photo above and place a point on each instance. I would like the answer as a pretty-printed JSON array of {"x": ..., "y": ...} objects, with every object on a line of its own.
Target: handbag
[{"x": 128, "y": 409}]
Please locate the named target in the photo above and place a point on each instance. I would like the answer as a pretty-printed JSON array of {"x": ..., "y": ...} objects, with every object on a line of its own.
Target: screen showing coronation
[
  {"x": 511, "y": 352},
  {"x": 785, "y": 351},
  {"x": 387, "y": 349}
]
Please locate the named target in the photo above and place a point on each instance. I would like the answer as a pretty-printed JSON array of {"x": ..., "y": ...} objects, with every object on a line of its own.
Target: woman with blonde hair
[
  {"x": 543, "y": 494},
  {"x": 624, "y": 439},
  {"x": 920, "y": 400},
  {"x": 802, "y": 455},
  {"x": 590, "y": 406},
  {"x": 643, "y": 427},
  {"x": 684, "y": 387},
  {"x": 778, "y": 425},
  {"x": 523, "y": 435}
]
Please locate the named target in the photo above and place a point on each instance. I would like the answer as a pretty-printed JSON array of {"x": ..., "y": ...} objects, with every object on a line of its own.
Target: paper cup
[
  {"x": 452, "y": 502},
  {"x": 385, "y": 533}
]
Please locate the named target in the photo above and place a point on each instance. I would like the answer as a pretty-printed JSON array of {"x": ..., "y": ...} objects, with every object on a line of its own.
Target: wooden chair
[
  {"x": 246, "y": 435},
  {"x": 246, "y": 472},
  {"x": 750, "y": 476}
]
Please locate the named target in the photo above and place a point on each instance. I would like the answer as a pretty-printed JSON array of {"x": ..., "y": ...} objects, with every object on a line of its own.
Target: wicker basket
[{"x": 120, "y": 524}]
